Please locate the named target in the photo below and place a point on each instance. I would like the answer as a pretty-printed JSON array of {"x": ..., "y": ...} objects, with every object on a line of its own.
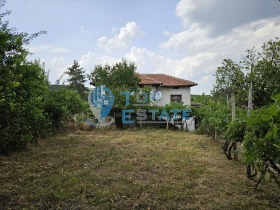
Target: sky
[{"x": 184, "y": 38}]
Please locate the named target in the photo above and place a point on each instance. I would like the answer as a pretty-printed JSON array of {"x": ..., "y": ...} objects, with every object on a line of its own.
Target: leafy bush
[
  {"x": 262, "y": 142},
  {"x": 22, "y": 88},
  {"x": 62, "y": 103},
  {"x": 236, "y": 130},
  {"x": 28, "y": 108},
  {"x": 22, "y": 105},
  {"x": 213, "y": 118}
]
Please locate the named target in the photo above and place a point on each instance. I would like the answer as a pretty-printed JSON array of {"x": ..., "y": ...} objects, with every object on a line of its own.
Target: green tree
[
  {"x": 77, "y": 79},
  {"x": 119, "y": 77},
  {"x": 229, "y": 77},
  {"x": 203, "y": 99},
  {"x": 61, "y": 104},
  {"x": 263, "y": 70},
  {"x": 22, "y": 87},
  {"x": 121, "y": 74}
]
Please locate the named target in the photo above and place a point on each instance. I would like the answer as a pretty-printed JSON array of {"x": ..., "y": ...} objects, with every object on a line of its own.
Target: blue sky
[{"x": 183, "y": 38}]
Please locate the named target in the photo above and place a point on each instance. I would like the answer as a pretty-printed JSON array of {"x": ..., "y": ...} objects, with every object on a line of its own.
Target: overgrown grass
[{"x": 141, "y": 169}]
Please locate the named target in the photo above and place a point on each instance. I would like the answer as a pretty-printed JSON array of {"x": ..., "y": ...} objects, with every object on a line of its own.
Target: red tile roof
[{"x": 164, "y": 80}]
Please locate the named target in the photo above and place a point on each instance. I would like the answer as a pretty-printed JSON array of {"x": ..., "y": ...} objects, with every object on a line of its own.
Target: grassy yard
[{"x": 141, "y": 169}]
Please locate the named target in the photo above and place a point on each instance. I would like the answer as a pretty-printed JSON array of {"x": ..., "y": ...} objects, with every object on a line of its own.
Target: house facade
[{"x": 168, "y": 88}]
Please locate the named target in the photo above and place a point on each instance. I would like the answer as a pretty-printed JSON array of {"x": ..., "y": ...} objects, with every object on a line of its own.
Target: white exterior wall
[{"x": 168, "y": 91}]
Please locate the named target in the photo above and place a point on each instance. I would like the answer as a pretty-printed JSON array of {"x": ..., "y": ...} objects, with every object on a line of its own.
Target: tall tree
[
  {"x": 121, "y": 74},
  {"x": 263, "y": 71},
  {"x": 230, "y": 78},
  {"x": 77, "y": 78},
  {"x": 22, "y": 87},
  {"x": 265, "y": 75},
  {"x": 119, "y": 77}
]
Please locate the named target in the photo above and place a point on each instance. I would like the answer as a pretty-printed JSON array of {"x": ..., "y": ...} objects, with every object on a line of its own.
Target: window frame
[{"x": 176, "y": 95}]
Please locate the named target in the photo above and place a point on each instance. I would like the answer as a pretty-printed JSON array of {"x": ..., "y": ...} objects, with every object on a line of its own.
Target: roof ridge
[
  {"x": 145, "y": 75},
  {"x": 172, "y": 77},
  {"x": 166, "y": 80},
  {"x": 180, "y": 78}
]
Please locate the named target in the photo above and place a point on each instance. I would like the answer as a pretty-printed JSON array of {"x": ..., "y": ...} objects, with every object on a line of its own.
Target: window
[
  {"x": 176, "y": 87},
  {"x": 176, "y": 98}
]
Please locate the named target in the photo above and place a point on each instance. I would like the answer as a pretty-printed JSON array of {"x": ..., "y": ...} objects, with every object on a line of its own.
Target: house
[{"x": 168, "y": 87}]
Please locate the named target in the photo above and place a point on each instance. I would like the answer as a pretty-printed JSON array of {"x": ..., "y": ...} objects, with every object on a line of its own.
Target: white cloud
[
  {"x": 221, "y": 16},
  {"x": 149, "y": 62},
  {"x": 60, "y": 50},
  {"x": 84, "y": 30},
  {"x": 48, "y": 49},
  {"x": 193, "y": 53},
  {"x": 206, "y": 78},
  {"x": 40, "y": 48},
  {"x": 121, "y": 39},
  {"x": 188, "y": 39},
  {"x": 89, "y": 60},
  {"x": 203, "y": 53},
  {"x": 57, "y": 66},
  {"x": 58, "y": 61},
  {"x": 184, "y": 7},
  {"x": 167, "y": 33}
]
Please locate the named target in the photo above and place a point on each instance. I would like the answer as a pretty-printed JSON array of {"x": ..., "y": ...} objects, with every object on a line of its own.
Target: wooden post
[
  {"x": 250, "y": 107},
  {"x": 228, "y": 100},
  {"x": 235, "y": 155},
  {"x": 215, "y": 135},
  {"x": 232, "y": 105},
  {"x": 250, "y": 100}
]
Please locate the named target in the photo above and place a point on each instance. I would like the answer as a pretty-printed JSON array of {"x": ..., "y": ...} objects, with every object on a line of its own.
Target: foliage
[
  {"x": 29, "y": 109},
  {"x": 262, "y": 142},
  {"x": 121, "y": 74},
  {"x": 22, "y": 104},
  {"x": 230, "y": 78},
  {"x": 236, "y": 130},
  {"x": 212, "y": 118},
  {"x": 77, "y": 79},
  {"x": 22, "y": 87},
  {"x": 263, "y": 70},
  {"x": 120, "y": 77},
  {"x": 62, "y": 103},
  {"x": 175, "y": 105},
  {"x": 203, "y": 98}
]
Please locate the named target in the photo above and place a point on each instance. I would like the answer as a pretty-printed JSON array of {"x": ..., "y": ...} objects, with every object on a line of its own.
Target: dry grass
[{"x": 141, "y": 169}]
